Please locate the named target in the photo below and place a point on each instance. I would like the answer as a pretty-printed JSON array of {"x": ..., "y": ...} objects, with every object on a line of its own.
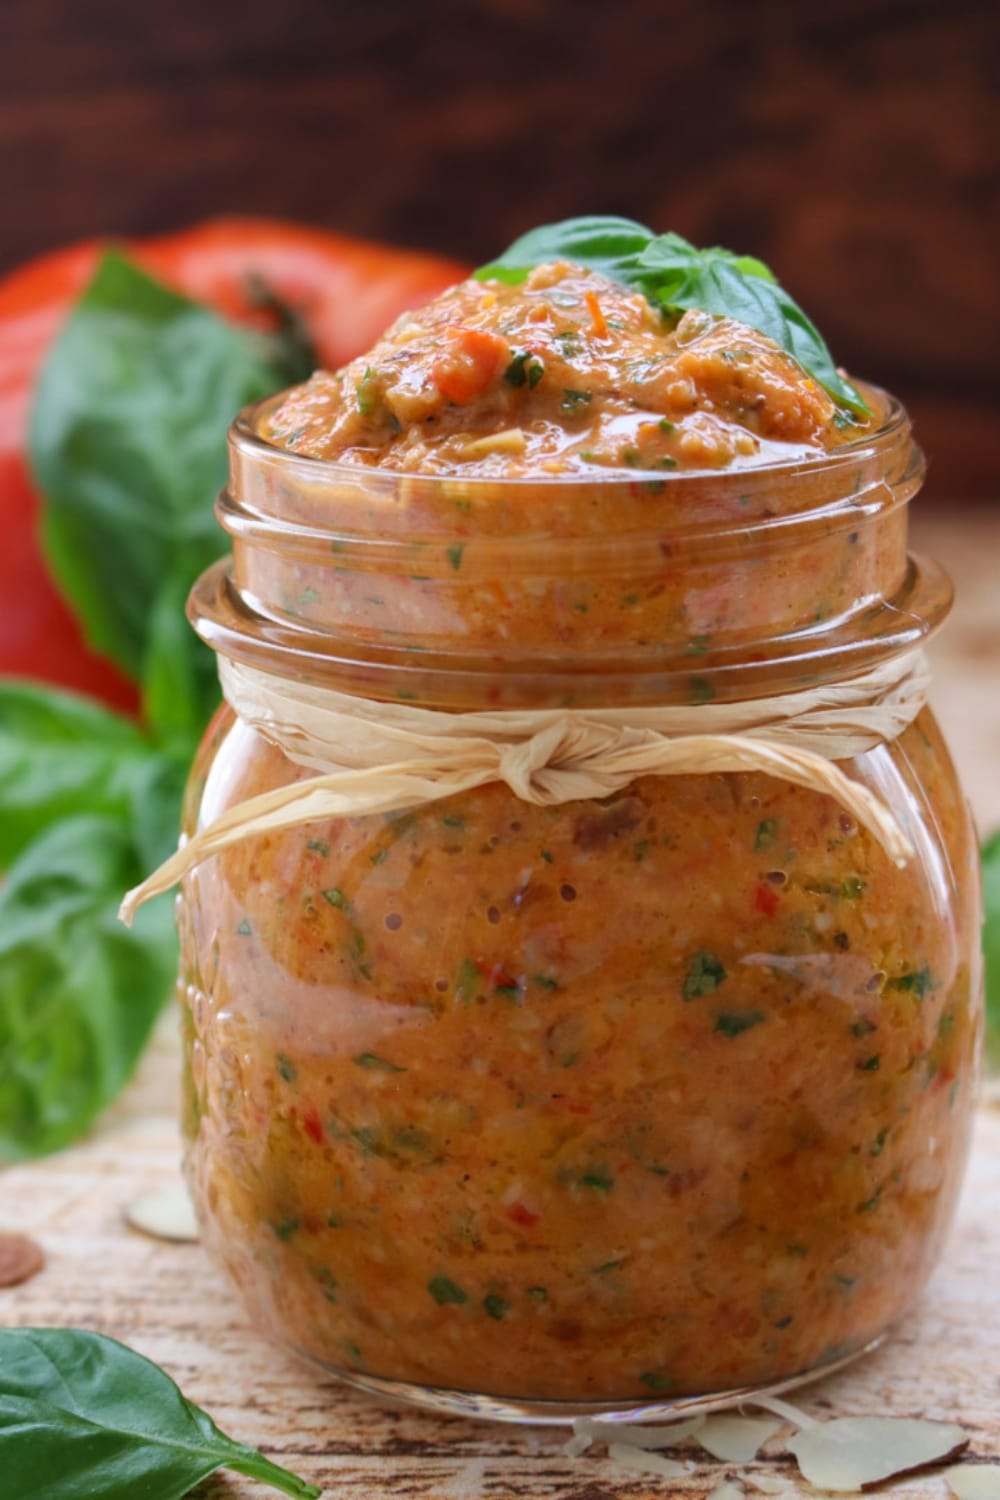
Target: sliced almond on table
[
  {"x": 646, "y": 1462},
  {"x": 854, "y": 1453},
  {"x": 167, "y": 1213},
  {"x": 736, "y": 1440},
  {"x": 20, "y": 1258},
  {"x": 974, "y": 1481},
  {"x": 665, "y": 1435},
  {"x": 769, "y": 1486}
]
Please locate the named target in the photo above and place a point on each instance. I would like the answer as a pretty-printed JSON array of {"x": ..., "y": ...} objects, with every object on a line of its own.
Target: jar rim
[{"x": 246, "y": 438}]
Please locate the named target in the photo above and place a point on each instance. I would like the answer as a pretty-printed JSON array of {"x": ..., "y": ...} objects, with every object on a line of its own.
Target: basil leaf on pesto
[
  {"x": 676, "y": 276},
  {"x": 82, "y": 1415}
]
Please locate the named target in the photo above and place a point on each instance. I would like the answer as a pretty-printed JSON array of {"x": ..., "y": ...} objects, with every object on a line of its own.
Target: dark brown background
[{"x": 853, "y": 145}]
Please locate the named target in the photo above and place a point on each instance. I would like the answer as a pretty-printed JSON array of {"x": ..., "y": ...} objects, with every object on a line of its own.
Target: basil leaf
[
  {"x": 78, "y": 993},
  {"x": 62, "y": 754},
  {"x": 738, "y": 286},
  {"x": 180, "y": 682},
  {"x": 607, "y": 244},
  {"x": 82, "y": 1415},
  {"x": 128, "y": 446},
  {"x": 991, "y": 943},
  {"x": 675, "y": 275}
]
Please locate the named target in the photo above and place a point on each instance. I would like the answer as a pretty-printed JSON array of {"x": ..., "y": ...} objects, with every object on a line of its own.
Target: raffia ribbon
[{"x": 376, "y": 757}]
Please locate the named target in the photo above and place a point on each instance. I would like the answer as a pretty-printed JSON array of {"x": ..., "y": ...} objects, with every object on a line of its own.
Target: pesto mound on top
[{"x": 559, "y": 368}]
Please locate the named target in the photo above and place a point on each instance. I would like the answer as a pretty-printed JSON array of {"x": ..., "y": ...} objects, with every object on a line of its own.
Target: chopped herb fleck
[
  {"x": 919, "y": 981},
  {"x": 657, "y": 1382},
  {"x": 572, "y": 399},
  {"x": 309, "y": 596},
  {"x": 864, "y": 1027},
  {"x": 337, "y": 898},
  {"x": 705, "y": 974},
  {"x": 852, "y": 888},
  {"x": 698, "y": 644},
  {"x": 702, "y": 690},
  {"x": 353, "y": 1351},
  {"x": 497, "y": 1307},
  {"x": 445, "y": 1291},
  {"x": 285, "y": 1228},
  {"x": 451, "y": 821},
  {"x": 524, "y": 369},
  {"x": 878, "y": 1143},
  {"x": 455, "y": 554},
  {"x": 546, "y": 856},
  {"x": 317, "y": 846},
  {"x": 372, "y": 1060},
  {"x": 598, "y": 1178},
  {"x": 327, "y": 1281},
  {"x": 244, "y": 929},
  {"x": 467, "y": 985},
  {"x": 667, "y": 426},
  {"x": 609, "y": 1265},
  {"x": 766, "y": 836},
  {"x": 539, "y": 1293},
  {"x": 364, "y": 393},
  {"x": 870, "y": 1064},
  {"x": 544, "y": 982},
  {"x": 732, "y": 1022},
  {"x": 287, "y": 1070}
]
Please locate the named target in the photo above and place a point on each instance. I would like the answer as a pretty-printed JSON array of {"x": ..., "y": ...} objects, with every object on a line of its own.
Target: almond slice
[
  {"x": 974, "y": 1481},
  {"x": 646, "y": 1463},
  {"x": 666, "y": 1436},
  {"x": 854, "y": 1453},
  {"x": 737, "y": 1440},
  {"x": 166, "y": 1214},
  {"x": 768, "y": 1485},
  {"x": 20, "y": 1258}
]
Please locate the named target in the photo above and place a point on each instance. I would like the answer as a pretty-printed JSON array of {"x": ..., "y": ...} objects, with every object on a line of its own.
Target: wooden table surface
[{"x": 167, "y": 1300}]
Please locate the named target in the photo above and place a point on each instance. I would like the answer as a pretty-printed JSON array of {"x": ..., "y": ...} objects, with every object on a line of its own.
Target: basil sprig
[
  {"x": 675, "y": 276},
  {"x": 128, "y": 445},
  {"x": 82, "y": 1415}
]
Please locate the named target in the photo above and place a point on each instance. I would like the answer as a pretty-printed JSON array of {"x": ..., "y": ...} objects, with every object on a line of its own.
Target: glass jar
[{"x": 614, "y": 1105}]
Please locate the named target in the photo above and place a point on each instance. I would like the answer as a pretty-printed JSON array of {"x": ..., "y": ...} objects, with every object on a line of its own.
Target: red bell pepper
[{"x": 343, "y": 292}]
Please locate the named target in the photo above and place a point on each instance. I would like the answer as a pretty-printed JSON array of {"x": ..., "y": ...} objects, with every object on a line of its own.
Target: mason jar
[{"x": 539, "y": 1105}]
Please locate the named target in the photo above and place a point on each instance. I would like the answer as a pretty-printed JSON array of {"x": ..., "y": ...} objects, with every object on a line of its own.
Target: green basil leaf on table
[
  {"x": 991, "y": 943},
  {"x": 675, "y": 276},
  {"x": 78, "y": 993},
  {"x": 128, "y": 447},
  {"x": 82, "y": 1415}
]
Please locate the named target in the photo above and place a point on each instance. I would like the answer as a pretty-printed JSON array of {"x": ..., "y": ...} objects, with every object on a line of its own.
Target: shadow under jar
[{"x": 609, "y": 1105}]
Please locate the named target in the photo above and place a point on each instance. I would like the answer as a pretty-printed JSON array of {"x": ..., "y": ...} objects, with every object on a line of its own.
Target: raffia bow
[{"x": 373, "y": 757}]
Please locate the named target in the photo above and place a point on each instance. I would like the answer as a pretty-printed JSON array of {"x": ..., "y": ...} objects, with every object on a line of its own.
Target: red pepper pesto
[
  {"x": 612, "y": 1101},
  {"x": 567, "y": 373}
]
